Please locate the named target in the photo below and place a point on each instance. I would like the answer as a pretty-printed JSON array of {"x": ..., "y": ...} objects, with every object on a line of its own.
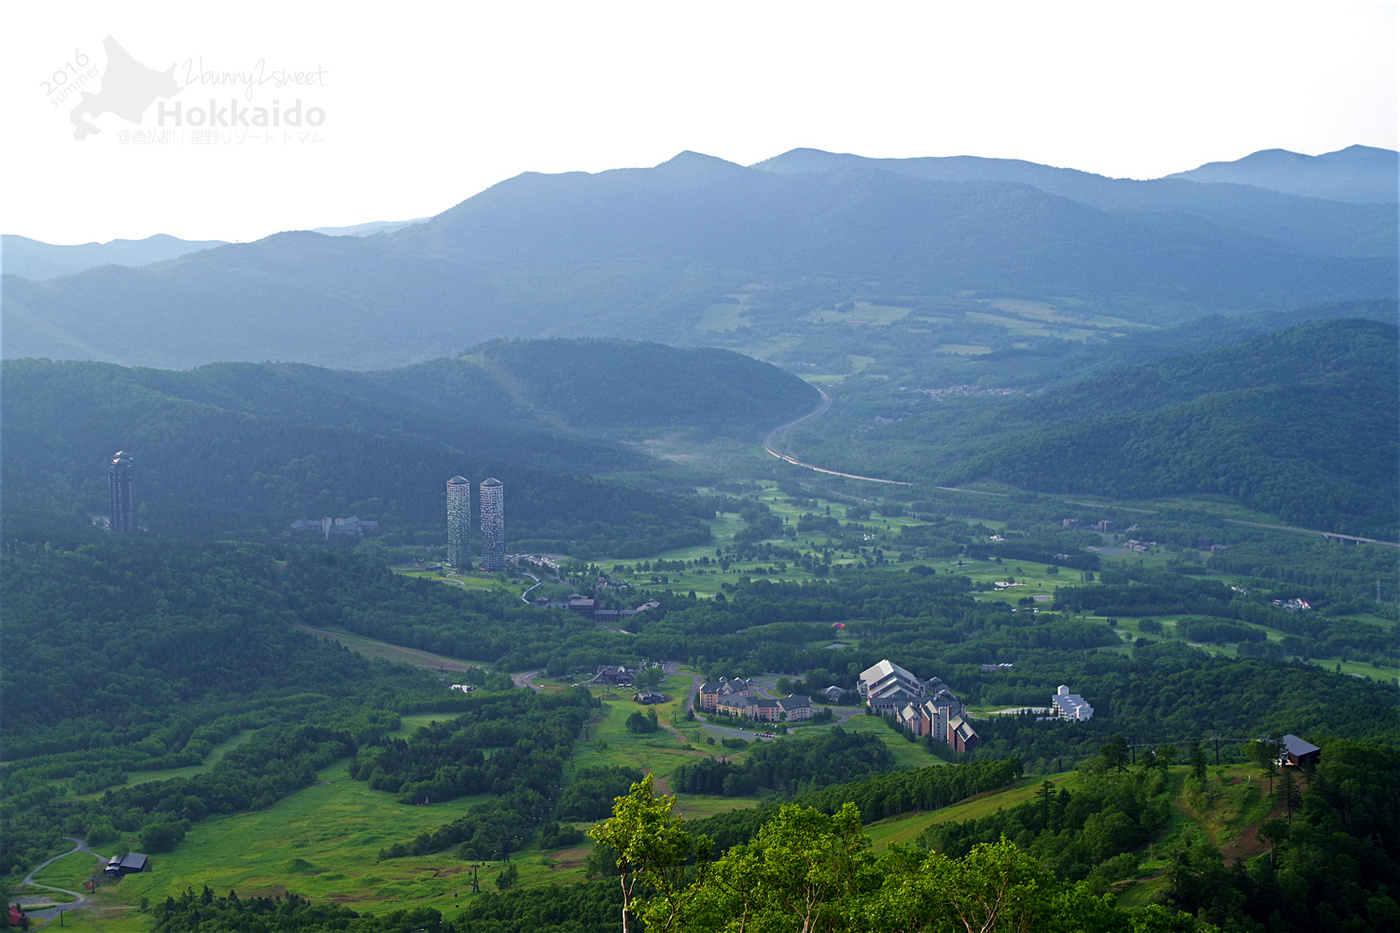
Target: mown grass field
[
  {"x": 69, "y": 873},
  {"x": 907, "y": 826},
  {"x": 707, "y": 580},
  {"x": 320, "y": 842},
  {"x": 1034, "y": 581},
  {"x": 863, "y": 313},
  {"x": 1044, "y": 311}
]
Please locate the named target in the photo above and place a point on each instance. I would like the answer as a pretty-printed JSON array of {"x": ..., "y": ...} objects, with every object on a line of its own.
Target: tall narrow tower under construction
[
  {"x": 459, "y": 522},
  {"x": 123, "y": 507},
  {"x": 493, "y": 525}
]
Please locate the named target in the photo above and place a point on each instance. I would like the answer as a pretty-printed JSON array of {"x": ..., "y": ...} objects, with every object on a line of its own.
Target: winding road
[
  {"x": 80, "y": 901},
  {"x": 771, "y": 440}
]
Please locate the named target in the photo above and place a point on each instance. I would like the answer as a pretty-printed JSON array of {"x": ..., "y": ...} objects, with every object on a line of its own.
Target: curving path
[
  {"x": 388, "y": 651},
  {"x": 525, "y": 596},
  {"x": 1330, "y": 535},
  {"x": 80, "y": 901},
  {"x": 772, "y": 439}
]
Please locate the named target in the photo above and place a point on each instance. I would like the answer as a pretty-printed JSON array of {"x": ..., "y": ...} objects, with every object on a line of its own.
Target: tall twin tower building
[{"x": 459, "y": 523}]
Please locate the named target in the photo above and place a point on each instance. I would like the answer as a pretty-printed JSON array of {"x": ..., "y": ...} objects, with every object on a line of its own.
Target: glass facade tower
[
  {"x": 493, "y": 525},
  {"x": 459, "y": 522}
]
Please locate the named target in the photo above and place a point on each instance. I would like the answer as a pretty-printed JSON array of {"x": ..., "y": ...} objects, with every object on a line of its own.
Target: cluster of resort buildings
[
  {"x": 925, "y": 708},
  {"x": 737, "y": 697}
]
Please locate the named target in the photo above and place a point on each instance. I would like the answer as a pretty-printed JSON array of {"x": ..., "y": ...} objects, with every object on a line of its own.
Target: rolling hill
[
  {"x": 248, "y": 448},
  {"x": 1301, "y": 423}
]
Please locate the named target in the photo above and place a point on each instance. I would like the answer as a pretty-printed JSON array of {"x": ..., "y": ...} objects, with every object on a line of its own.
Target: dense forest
[
  {"x": 179, "y": 647},
  {"x": 135, "y": 655},
  {"x": 1332, "y": 850},
  {"x": 244, "y": 449},
  {"x": 1259, "y": 422},
  {"x": 1262, "y": 422}
]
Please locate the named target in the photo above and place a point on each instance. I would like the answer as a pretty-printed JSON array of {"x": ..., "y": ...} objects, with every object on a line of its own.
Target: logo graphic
[
  {"x": 128, "y": 90},
  {"x": 237, "y": 111}
]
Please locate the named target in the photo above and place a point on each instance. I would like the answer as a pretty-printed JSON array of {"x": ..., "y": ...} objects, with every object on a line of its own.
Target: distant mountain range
[
  {"x": 649, "y": 252},
  {"x": 1361, "y": 174},
  {"x": 33, "y": 259},
  {"x": 1267, "y": 210}
]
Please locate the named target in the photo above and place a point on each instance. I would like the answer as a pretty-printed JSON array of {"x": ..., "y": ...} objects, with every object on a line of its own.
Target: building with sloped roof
[
  {"x": 1071, "y": 706},
  {"x": 765, "y": 709},
  {"x": 887, "y": 685},
  {"x": 128, "y": 864},
  {"x": 711, "y": 692},
  {"x": 937, "y": 710},
  {"x": 961, "y": 736},
  {"x": 1295, "y": 752}
]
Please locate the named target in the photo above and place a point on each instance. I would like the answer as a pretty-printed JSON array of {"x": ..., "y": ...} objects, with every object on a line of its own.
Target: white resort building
[{"x": 1071, "y": 705}]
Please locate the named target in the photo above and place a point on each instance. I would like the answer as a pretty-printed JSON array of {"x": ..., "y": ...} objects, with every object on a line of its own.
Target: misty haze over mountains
[{"x": 650, "y": 252}]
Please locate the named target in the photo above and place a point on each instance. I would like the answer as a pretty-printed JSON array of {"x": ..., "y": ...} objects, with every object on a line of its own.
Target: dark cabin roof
[{"x": 1298, "y": 747}]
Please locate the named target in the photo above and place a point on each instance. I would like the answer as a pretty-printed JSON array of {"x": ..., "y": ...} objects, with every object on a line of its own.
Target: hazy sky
[{"x": 421, "y": 106}]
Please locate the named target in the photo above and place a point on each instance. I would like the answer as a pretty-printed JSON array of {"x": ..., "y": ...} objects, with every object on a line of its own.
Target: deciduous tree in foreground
[{"x": 813, "y": 872}]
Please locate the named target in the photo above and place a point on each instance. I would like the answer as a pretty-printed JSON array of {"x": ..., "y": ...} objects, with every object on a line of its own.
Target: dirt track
[{"x": 382, "y": 649}]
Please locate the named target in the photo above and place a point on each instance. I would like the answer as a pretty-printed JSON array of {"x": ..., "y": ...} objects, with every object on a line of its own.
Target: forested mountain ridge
[
  {"x": 251, "y": 447},
  {"x": 645, "y": 253},
  {"x": 1298, "y": 423},
  {"x": 1361, "y": 174},
  {"x": 1301, "y": 424},
  {"x": 1341, "y": 227}
]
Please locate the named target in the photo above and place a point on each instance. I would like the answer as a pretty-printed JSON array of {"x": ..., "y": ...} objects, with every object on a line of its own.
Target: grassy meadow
[{"x": 322, "y": 842}]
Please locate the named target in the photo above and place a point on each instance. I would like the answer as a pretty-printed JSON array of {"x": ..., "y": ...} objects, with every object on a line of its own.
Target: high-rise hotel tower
[
  {"x": 459, "y": 522},
  {"x": 123, "y": 507},
  {"x": 493, "y": 525}
]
